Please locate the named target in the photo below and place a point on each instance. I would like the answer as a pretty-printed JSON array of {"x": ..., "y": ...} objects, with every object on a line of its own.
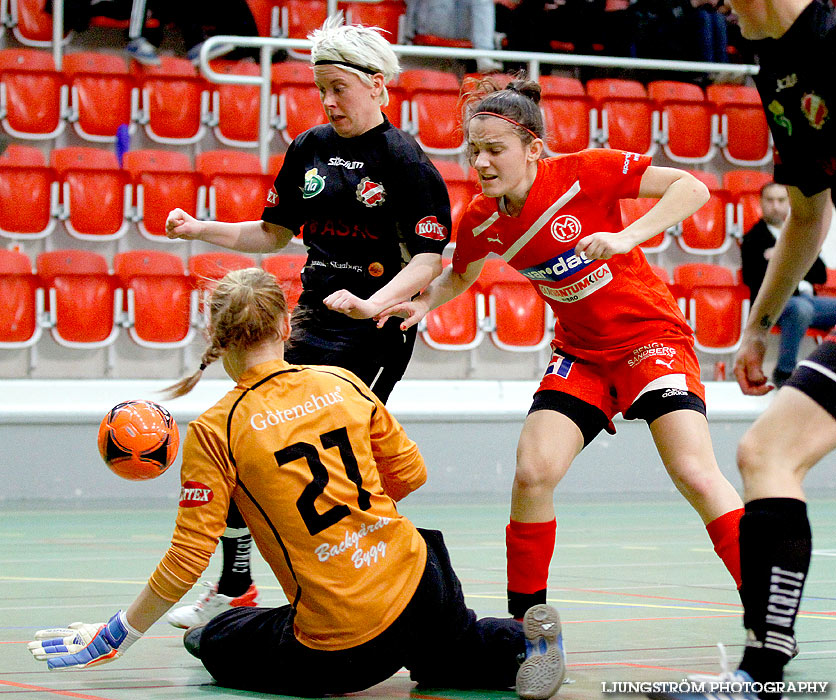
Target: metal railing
[{"x": 533, "y": 61}]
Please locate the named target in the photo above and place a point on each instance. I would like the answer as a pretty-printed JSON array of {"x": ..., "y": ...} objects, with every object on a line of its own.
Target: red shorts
[{"x": 612, "y": 380}]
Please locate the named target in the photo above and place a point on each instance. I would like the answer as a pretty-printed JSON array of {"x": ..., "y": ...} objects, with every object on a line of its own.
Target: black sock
[
  {"x": 775, "y": 548},
  {"x": 236, "y": 543},
  {"x": 235, "y": 574}
]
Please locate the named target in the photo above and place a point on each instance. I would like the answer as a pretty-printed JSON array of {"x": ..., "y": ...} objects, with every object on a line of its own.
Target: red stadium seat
[
  {"x": 175, "y": 101},
  {"x": 386, "y": 14},
  {"x": 31, "y": 24},
  {"x": 566, "y": 112},
  {"x": 23, "y": 170},
  {"x": 161, "y": 301},
  {"x": 208, "y": 268},
  {"x": 299, "y": 18},
  {"x": 102, "y": 95},
  {"x": 687, "y": 124},
  {"x": 95, "y": 193},
  {"x": 518, "y": 319},
  {"x": 744, "y": 187},
  {"x": 632, "y": 209},
  {"x": 33, "y": 99},
  {"x": 461, "y": 189},
  {"x": 164, "y": 180},
  {"x": 743, "y": 132},
  {"x": 458, "y": 324},
  {"x": 710, "y": 230},
  {"x": 235, "y": 107},
  {"x": 84, "y": 301},
  {"x": 717, "y": 306},
  {"x": 21, "y": 301},
  {"x": 434, "y": 119},
  {"x": 288, "y": 270},
  {"x": 237, "y": 189},
  {"x": 625, "y": 115},
  {"x": 300, "y": 107},
  {"x": 266, "y": 15},
  {"x": 569, "y": 123}
]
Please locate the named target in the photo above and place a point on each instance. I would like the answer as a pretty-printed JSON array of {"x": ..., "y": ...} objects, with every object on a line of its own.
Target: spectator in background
[
  {"x": 804, "y": 309},
  {"x": 197, "y": 20},
  {"x": 473, "y": 20},
  {"x": 709, "y": 29}
]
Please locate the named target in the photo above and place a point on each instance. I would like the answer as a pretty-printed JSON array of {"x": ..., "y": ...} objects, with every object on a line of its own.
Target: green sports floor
[{"x": 640, "y": 592}]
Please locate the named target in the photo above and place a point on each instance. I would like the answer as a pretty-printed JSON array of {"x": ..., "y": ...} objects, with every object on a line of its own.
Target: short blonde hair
[
  {"x": 246, "y": 308},
  {"x": 355, "y": 44}
]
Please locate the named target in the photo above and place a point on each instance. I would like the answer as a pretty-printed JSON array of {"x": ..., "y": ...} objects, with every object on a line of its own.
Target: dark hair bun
[{"x": 526, "y": 88}]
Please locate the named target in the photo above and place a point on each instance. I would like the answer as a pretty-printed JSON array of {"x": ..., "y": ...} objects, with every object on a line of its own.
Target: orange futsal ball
[{"x": 138, "y": 440}]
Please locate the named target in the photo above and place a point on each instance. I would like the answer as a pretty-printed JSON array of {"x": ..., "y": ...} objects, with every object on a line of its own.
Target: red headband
[{"x": 507, "y": 119}]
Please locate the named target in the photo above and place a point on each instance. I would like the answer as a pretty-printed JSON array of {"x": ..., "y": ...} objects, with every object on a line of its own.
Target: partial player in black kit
[
  {"x": 374, "y": 214},
  {"x": 795, "y": 41}
]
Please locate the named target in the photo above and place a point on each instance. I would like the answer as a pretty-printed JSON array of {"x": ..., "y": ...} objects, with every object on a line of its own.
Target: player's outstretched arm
[
  {"x": 448, "y": 285},
  {"x": 420, "y": 271},
  {"x": 82, "y": 645},
  {"x": 245, "y": 237}
]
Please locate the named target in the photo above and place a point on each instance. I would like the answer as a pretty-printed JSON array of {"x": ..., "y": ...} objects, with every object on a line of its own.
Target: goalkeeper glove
[{"x": 83, "y": 645}]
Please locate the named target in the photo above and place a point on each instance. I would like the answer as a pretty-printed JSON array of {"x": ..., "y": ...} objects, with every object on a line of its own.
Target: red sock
[
  {"x": 529, "y": 548},
  {"x": 725, "y": 535}
]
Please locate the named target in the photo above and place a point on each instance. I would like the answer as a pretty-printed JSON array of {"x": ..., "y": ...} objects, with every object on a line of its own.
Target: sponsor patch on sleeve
[
  {"x": 272, "y": 198},
  {"x": 193, "y": 494},
  {"x": 429, "y": 227}
]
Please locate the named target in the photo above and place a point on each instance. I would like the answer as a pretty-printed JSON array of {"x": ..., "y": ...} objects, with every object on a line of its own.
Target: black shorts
[
  {"x": 591, "y": 420},
  {"x": 378, "y": 356},
  {"x": 816, "y": 377}
]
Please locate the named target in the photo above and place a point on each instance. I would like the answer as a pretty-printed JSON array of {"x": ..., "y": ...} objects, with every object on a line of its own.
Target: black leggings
[{"x": 437, "y": 637}]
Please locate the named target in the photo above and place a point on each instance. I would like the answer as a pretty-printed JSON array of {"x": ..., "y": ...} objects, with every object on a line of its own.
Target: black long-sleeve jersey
[
  {"x": 365, "y": 206},
  {"x": 798, "y": 90}
]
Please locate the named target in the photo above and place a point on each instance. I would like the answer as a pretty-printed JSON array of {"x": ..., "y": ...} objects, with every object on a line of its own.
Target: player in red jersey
[{"x": 621, "y": 343}]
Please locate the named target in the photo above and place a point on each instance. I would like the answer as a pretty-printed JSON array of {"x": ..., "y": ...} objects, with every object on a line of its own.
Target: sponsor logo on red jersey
[
  {"x": 428, "y": 227},
  {"x": 272, "y": 197},
  {"x": 370, "y": 193},
  {"x": 580, "y": 289},
  {"x": 565, "y": 228},
  {"x": 193, "y": 494}
]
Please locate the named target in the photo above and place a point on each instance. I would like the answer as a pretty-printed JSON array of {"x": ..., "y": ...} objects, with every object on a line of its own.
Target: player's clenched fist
[
  {"x": 81, "y": 645},
  {"x": 180, "y": 224}
]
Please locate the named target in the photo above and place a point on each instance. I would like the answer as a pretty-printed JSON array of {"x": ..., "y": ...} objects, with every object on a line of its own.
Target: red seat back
[
  {"x": 96, "y": 189},
  {"x": 102, "y": 85},
  {"x": 689, "y": 118},
  {"x": 33, "y": 93},
  {"x": 18, "y": 307},
  {"x": 288, "y": 270},
  {"x": 567, "y": 123},
  {"x": 161, "y": 292},
  {"x": 172, "y": 98},
  {"x": 84, "y": 310},
  {"x": 518, "y": 313},
  {"x": 238, "y": 105}
]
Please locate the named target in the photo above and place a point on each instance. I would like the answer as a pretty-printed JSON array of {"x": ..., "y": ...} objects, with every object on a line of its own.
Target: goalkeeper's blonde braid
[{"x": 246, "y": 308}]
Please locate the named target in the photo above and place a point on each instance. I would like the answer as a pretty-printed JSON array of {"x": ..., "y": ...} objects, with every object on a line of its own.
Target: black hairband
[{"x": 356, "y": 66}]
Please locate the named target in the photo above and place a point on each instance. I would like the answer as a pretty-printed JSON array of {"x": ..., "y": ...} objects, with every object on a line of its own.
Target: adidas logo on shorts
[{"x": 674, "y": 392}]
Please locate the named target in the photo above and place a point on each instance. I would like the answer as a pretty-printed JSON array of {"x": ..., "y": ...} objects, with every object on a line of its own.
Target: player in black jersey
[
  {"x": 795, "y": 41},
  {"x": 374, "y": 215}
]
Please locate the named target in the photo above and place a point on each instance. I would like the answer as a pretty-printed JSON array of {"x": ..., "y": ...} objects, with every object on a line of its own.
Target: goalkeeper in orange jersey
[{"x": 315, "y": 463}]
